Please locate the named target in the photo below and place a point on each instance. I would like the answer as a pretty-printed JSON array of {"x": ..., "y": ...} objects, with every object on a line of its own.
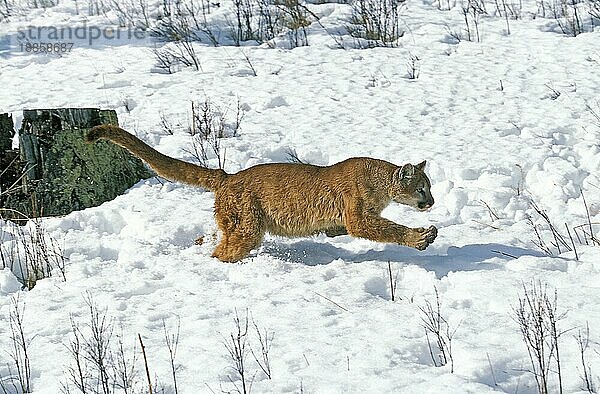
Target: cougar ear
[
  {"x": 405, "y": 172},
  {"x": 421, "y": 165}
]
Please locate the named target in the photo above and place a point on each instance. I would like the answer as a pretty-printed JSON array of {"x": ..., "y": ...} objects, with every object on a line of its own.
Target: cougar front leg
[
  {"x": 420, "y": 238},
  {"x": 379, "y": 229}
]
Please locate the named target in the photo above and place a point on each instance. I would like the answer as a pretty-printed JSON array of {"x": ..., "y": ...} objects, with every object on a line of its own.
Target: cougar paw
[{"x": 424, "y": 236}]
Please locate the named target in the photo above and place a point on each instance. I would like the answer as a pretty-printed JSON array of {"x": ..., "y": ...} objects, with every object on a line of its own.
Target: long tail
[{"x": 165, "y": 166}]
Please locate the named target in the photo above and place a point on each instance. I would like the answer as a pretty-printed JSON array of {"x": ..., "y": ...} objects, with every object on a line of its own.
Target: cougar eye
[{"x": 420, "y": 190}]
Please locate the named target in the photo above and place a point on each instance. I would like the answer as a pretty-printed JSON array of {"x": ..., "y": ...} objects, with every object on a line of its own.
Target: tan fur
[{"x": 296, "y": 200}]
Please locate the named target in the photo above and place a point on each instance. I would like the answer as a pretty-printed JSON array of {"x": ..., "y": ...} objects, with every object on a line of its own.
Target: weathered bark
[
  {"x": 9, "y": 159},
  {"x": 6, "y": 132},
  {"x": 65, "y": 174}
]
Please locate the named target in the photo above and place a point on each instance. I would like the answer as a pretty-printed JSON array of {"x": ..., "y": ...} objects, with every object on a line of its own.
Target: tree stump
[
  {"x": 7, "y": 132},
  {"x": 9, "y": 159},
  {"x": 62, "y": 172}
]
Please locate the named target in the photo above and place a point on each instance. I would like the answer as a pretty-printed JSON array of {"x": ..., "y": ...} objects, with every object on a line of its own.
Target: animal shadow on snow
[{"x": 464, "y": 258}]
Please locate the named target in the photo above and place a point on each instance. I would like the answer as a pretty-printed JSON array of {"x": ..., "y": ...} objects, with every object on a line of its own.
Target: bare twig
[
  {"x": 237, "y": 347},
  {"x": 492, "y": 212},
  {"x": 393, "y": 281},
  {"x": 504, "y": 254},
  {"x": 538, "y": 318},
  {"x": 434, "y": 323},
  {"x": 96, "y": 348},
  {"x": 19, "y": 351},
  {"x": 491, "y": 369},
  {"x": 583, "y": 342},
  {"x": 265, "y": 338},
  {"x": 572, "y": 242},
  {"x": 145, "y": 364},
  {"x": 333, "y": 302},
  {"x": 172, "y": 341},
  {"x": 124, "y": 372},
  {"x": 589, "y": 220},
  {"x": 78, "y": 373},
  {"x": 249, "y": 62}
]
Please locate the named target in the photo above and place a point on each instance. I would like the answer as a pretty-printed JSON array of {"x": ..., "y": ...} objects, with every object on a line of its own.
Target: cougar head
[{"x": 410, "y": 186}]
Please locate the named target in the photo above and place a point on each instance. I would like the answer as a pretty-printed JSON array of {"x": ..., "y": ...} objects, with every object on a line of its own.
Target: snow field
[{"x": 483, "y": 115}]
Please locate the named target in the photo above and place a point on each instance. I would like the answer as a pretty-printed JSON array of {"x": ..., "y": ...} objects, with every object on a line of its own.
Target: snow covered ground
[{"x": 498, "y": 121}]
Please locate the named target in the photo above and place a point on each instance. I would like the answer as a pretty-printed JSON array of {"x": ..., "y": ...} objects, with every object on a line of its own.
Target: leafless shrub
[
  {"x": 508, "y": 11},
  {"x": 447, "y": 6},
  {"x": 452, "y": 33},
  {"x": 437, "y": 325},
  {"x": 20, "y": 381},
  {"x": 6, "y": 10},
  {"x": 537, "y": 317},
  {"x": 567, "y": 16},
  {"x": 198, "y": 12},
  {"x": 377, "y": 22},
  {"x": 270, "y": 20},
  {"x": 9, "y": 8},
  {"x": 176, "y": 27},
  {"x": 32, "y": 254},
  {"x": 292, "y": 156},
  {"x": 265, "y": 339},
  {"x": 238, "y": 349},
  {"x": 263, "y": 20},
  {"x": 559, "y": 241},
  {"x": 98, "y": 7},
  {"x": 472, "y": 10},
  {"x": 583, "y": 343},
  {"x": 243, "y": 25},
  {"x": 97, "y": 366},
  {"x": 41, "y": 3},
  {"x": 165, "y": 59},
  {"x": 76, "y": 373},
  {"x": 131, "y": 13},
  {"x": 181, "y": 22},
  {"x": 167, "y": 125},
  {"x": 125, "y": 375},
  {"x": 208, "y": 127},
  {"x": 296, "y": 19},
  {"x": 413, "y": 66},
  {"x": 594, "y": 11},
  {"x": 172, "y": 342},
  {"x": 258, "y": 20},
  {"x": 96, "y": 347},
  {"x": 339, "y": 41},
  {"x": 172, "y": 57},
  {"x": 570, "y": 15}
]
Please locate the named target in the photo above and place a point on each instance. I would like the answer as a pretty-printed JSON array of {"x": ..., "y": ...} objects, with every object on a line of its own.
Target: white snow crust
[{"x": 481, "y": 114}]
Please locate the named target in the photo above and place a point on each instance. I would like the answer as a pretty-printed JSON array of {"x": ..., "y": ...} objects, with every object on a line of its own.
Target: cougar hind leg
[{"x": 242, "y": 231}]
